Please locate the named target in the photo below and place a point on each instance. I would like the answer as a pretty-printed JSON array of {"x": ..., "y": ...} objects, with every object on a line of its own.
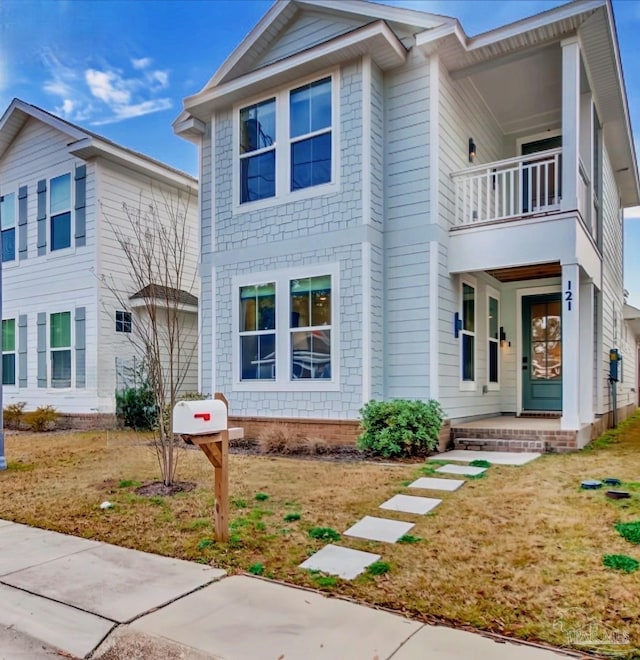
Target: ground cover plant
[{"x": 519, "y": 553}]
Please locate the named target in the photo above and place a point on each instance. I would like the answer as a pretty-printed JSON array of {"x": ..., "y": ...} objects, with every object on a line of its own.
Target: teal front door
[{"x": 542, "y": 353}]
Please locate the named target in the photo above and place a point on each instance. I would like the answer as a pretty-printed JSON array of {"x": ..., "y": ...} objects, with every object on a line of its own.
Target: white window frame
[
  {"x": 259, "y": 333},
  {"x": 283, "y": 192},
  {"x": 14, "y": 352},
  {"x": 469, "y": 385},
  {"x": 283, "y": 381},
  {"x": 51, "y": 350},
  {"x": 71, "y": 248},
  {"x": 493, "y": 293},
  {"x": 15, "y": 228}
]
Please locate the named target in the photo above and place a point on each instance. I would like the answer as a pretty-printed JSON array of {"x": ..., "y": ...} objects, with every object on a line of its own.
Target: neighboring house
[
  {"x": 67, "y": 313},
  {"x": 391, "y": 209}
]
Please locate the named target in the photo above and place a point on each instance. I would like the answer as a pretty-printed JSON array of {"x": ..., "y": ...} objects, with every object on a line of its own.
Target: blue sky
[{"x": 122, "y": 67}]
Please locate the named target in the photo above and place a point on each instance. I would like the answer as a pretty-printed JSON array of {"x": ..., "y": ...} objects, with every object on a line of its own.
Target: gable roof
[
  {"x": 377, "y": 32},
  {"x": 86, "y": 144}
]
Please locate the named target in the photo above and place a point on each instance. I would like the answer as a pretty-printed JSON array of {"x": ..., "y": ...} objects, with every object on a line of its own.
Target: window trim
[
  {"x": 495, "y": 294},
  {"x": 14, "y": 228},
  {"x": 283, "y": 381},
  {"x": 283, "y": 141},
  {"x": 14, "y": 352},
  {"x": 468, "y": 385},
  {"x": 70, "y": 348}
]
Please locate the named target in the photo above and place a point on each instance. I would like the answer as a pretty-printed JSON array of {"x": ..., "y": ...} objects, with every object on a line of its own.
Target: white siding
[{"x": 55, "y": 282}]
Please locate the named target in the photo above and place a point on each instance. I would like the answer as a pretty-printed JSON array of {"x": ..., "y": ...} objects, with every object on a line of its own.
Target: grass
[
  {"x": 629, "y": 531},
  {"x": 621, "y": 563},
  {"x": 519, "y": 553}
]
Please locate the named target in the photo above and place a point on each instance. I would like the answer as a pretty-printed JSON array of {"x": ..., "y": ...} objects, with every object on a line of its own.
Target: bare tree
[{"x": 154, "y": 238}]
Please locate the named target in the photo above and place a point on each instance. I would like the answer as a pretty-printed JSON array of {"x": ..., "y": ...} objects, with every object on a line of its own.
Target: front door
[{"x": 542, "y": 352}]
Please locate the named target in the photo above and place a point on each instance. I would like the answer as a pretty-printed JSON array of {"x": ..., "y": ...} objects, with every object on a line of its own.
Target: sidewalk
[{"x": 91, "y": 599}]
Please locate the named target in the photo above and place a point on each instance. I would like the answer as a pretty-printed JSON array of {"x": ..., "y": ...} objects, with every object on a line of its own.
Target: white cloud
[
  {"x": 108, "y": 86},
  {"x": 141, "y": 63},
  {"x": 105, "y": 94}
]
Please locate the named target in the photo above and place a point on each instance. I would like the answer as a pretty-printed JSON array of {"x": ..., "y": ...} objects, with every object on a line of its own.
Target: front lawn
[{"x": 517, "y": 552}]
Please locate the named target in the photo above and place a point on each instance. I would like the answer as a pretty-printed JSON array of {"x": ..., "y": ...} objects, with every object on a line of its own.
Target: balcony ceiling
[{"x": 523, "y": 94}]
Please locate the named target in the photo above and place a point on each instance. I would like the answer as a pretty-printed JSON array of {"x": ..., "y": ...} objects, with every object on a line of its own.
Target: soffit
[{"x": 521, "y": 273}]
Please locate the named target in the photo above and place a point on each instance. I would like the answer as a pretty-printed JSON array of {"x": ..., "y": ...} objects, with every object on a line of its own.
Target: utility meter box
[{"x": 199, "y": 417}]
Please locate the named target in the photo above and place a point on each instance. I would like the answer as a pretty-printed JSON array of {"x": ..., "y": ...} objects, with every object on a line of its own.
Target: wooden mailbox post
[{"x": 216, "y": 448}]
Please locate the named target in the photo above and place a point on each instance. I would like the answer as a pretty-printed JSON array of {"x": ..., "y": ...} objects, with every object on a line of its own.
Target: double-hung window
[
  {"x": 60, "y": 349},
  {"x": 8, "y": 224},
  {"x": 258, "y": 151},
  {"x": 285, "y": 142},
  {"x": 8, "y": 352},
  {"x": 310, "y": 134},
  {"x": 258, "y": 331},
  {"x": 468, "y": 336},
  {"x": 310, "y": 331},
  {"x": 60, "y": 212},
  {"x": 493, "y": 340},
  {"x": 286, "y": 331}
]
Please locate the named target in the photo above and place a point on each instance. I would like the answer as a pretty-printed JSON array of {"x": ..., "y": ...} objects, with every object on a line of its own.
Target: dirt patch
[{"x": 157, "y": 488}]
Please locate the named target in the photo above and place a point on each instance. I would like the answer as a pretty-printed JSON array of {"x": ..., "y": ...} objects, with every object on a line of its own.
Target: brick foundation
[
  {"x": 514, "y": 440},
  {"x": 88, "y": 422},
  {"x": 335, "y": 432}
]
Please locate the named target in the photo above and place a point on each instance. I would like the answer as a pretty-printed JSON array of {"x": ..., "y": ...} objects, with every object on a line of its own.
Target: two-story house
[
  {"x": 71, "y": 306},
  {"x": 392, "y": 209}
]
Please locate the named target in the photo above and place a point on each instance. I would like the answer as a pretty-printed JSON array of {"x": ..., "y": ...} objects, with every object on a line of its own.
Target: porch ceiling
[{"x": 529, "y": 272}]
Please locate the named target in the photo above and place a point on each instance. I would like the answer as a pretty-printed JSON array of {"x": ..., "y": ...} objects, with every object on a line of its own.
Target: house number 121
[{"x": 568, "y": 295}]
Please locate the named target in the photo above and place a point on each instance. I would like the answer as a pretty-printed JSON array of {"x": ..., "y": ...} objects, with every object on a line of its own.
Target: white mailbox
[{"x": 199, "y": 417}]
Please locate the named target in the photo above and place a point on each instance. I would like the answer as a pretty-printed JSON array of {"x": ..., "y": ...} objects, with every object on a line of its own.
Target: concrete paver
[
  {"x": 410, "y": 504},
  {"x": 461, "y": 469},
  {"x": 379, "y": 529},
  {"x": 114, "y": 582},
  {"x": 343, "y": 562},
  {"x": 433, "y": 483},
  {"x": 441, "y": 643},
  {"x": 60, "y": 626},
  {"x": 22, "y": 546},
  {"x": 5, "y": 523},
  {"x": 495, "y": 457},
  {"x": 243, "y": 618}
]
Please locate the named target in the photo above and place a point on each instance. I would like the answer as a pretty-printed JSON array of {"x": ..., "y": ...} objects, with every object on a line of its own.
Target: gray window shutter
[
  {"x": 22, "y": 223},
  {"x": 80, "y": 348},
  {"x": 42, "y": 349},
  {"x": 81, "y": 202},
  {"x": 42, "y": 217},
  {"x": 22, "y": 350}
]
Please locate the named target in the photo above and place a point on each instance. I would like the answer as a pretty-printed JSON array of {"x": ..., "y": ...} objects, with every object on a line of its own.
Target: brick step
[{"x": 499, "y": 444}]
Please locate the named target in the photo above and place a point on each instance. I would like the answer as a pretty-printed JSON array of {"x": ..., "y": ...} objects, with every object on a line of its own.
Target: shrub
[
  {"x": 12, "y": 415},
  {"x": 136, "y": 408},
  {"x": 43, "y": 418},
  {"x": 400, "y": 427}
]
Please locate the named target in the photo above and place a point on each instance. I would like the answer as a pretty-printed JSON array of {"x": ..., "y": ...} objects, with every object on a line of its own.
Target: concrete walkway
[{"x": 94, "y": 600}]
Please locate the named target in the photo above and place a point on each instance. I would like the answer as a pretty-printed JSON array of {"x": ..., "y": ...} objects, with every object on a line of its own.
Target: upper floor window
[
  {"x": 123, "y": 321},
  {"x": 303, "y": 120},
  {"x": 8, "y": 224},
  {"x": 310, "y": 134},
  {"x": 258, "y": 151},
  {"x": 60, "y": 212},
  {"x": 8, "y": 351}
]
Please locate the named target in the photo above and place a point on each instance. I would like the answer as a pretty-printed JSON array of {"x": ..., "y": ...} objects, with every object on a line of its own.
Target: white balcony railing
[{"x": 511, "y": 188}]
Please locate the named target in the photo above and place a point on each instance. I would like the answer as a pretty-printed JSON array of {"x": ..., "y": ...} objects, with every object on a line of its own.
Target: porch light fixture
[
  {"x": 472, "y": 150},
  {"x": 503, "y": 338}
]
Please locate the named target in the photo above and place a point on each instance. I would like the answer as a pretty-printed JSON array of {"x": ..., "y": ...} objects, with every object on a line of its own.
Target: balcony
[{"x": 517, "y": 188}]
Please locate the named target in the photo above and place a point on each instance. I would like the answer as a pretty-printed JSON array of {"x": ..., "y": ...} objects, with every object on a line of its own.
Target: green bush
[
  {"x": 43, "y": 418},
  {"x": 136, "y": 408},
  {"x": 12, "y": 415},
  {"x": 400, "y": 427}
]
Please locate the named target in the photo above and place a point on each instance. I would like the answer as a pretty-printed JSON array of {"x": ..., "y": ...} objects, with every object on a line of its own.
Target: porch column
[
  {"x": 586, "y": 322},
  {"x": 570, "y": 347},
  {"x": 570, "y": 122}
]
